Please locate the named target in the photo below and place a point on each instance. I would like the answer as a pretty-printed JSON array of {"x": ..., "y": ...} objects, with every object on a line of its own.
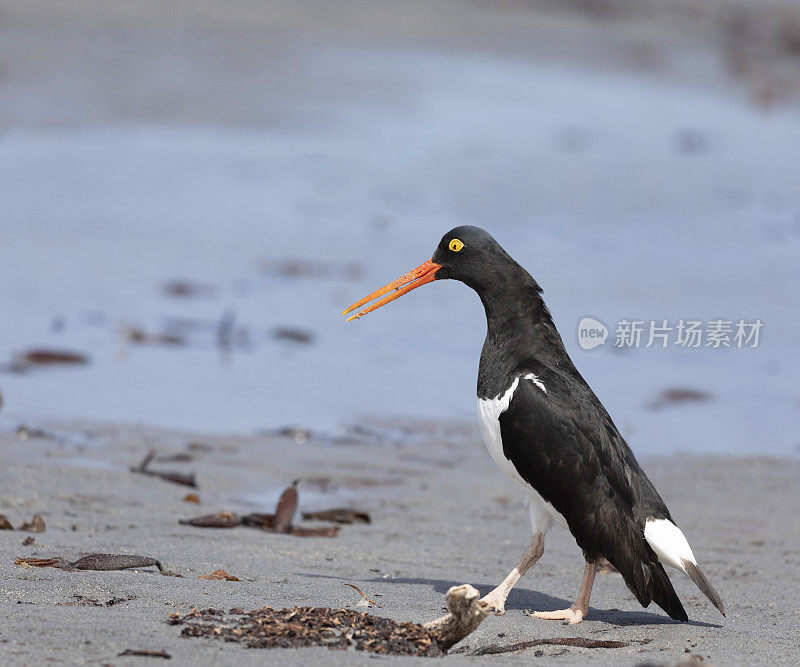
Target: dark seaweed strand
[
  {"x": 580, "y": 642},
  {"x": 105, "y": 562},
  {"x": 114, "y": 562}
]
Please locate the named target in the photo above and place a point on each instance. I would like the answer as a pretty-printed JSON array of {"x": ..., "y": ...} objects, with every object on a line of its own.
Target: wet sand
[
  {"x": 623, "y": 166},
  {"x": 441, "y": 515}
]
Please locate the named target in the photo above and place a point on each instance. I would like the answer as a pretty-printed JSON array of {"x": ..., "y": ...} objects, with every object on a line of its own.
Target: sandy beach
[
  {"x": 193, "y": 191},
  {"x": 441, "y": 515}
]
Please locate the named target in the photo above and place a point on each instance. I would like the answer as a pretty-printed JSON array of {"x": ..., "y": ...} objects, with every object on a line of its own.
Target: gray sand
[{"x": 442, "y": 515}]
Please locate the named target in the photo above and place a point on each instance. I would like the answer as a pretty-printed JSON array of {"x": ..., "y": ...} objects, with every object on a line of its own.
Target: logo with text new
[{"x": 591, "y": 333}]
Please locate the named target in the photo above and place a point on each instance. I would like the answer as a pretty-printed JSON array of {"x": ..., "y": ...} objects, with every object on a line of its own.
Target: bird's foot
[
  {"x": 497, "y": 602},
  {"x": 570, "y": 616}
]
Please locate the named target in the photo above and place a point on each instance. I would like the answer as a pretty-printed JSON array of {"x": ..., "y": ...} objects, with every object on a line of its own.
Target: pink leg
[
  {"x": 533, "y": 552},
  {"x": 577, "y": 612}
]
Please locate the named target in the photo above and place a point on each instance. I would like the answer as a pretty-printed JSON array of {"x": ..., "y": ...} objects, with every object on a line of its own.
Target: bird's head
[{"x": 469, "y": 254}]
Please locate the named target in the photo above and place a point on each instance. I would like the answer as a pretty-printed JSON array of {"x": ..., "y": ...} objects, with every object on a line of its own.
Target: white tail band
[{"x": 669, "y": 543}]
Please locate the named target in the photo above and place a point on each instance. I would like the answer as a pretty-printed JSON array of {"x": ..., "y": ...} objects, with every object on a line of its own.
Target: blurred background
[{"x": 191, "y": 193}]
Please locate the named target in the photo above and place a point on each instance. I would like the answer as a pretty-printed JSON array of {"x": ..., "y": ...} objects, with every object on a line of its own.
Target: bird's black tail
[
  {"x": 649, "y": 583},
  {"x": 664, "y": 594},
  {"x": 639, "y": 566}
]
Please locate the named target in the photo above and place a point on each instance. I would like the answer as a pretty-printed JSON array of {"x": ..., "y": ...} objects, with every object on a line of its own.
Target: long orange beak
[{"x": 422, "y": 275}]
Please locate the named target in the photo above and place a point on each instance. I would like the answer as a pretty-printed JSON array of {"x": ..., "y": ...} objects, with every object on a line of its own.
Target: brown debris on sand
[
  {"x": 310, "y": 268},
  {"x": 24, "y": 361},
  {"x": 259, "y": 520},
  {"x": 222, "y": 519},
  {"x": 324, "y": 531},
  {"x": 580, "y": 642},
  {"x": 133, "y": 334},
  {"x": 145, "y": 653},
  {"x": 364, "y": 598},
  {"x": 5, "y": 524},
  {"x": 102, "y": 562},
  {"x": 219, "y": 575},
  {"x": 678, "y": 396},
  {"x": 286, "y": 509},
  {"x": 185, "y": 479},
  {"x": 298, "y": 627},
  {"x": 313, "y": 626},
  {"x": 293, "y": 335},
  {"x": 338, "y": 515},
  {"x": 185, "y": 289},
  {"x": 36, "y": 525},
  {"x": 82, "y": 601},
  {"x": 280, "y": 522},
  {"x": 466, "y": 612}
]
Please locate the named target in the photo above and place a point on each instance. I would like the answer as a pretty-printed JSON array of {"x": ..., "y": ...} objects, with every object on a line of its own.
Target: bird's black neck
[{"x": 520, "y": 335}]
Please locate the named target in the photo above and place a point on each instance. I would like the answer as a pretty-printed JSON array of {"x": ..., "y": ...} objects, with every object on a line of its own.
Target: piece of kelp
[
  {"x": 280, "y": 522},
  {"x": 102, "y": 562},
  {"x": 185, "y": 479},
  {"x": 323, "y": 531},
  {"x": 223, "y": 519},
  {"x": 338, "y": 515},
  {"x": 581, "y": 642},
  {"x": 286, "y": 509},
  {"x": 145, "y": 653},
  {"x": 259, "y": 520},
  {"x": 23, "y": 361},
  {"x": 35, "y": 525}
]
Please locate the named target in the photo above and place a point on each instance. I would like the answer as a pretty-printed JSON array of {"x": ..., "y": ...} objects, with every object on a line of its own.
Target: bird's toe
[{"x": 568, "y": 616}]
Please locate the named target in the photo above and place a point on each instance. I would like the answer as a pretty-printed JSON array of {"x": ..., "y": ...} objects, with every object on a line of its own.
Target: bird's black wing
[{"x": 563, "y": 444}]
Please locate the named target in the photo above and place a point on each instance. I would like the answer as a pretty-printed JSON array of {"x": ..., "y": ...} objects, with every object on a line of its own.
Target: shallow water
[{"x": 624, "y": 197}]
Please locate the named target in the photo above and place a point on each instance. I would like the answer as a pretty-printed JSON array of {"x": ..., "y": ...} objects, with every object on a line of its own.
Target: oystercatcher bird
[{"x": 545, "y": 428}]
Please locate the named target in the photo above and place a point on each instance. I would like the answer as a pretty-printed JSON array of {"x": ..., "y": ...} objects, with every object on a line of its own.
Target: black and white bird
[{"x": 545, "y": 428}]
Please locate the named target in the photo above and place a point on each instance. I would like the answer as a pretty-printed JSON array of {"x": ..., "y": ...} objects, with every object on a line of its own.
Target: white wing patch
[
  {"x": 536, "y": 381},
  {"x": 669, "y": 543},
  {"x": 489, "y": 411},
  {"x": 542, "y": 513}
]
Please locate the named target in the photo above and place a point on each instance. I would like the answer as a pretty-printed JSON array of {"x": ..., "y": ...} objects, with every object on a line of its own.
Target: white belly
[{"x": 543, "y": 514}]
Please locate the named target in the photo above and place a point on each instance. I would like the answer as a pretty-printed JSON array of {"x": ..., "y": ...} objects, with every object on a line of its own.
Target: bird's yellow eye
[{"x": 456, "y": 245}]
